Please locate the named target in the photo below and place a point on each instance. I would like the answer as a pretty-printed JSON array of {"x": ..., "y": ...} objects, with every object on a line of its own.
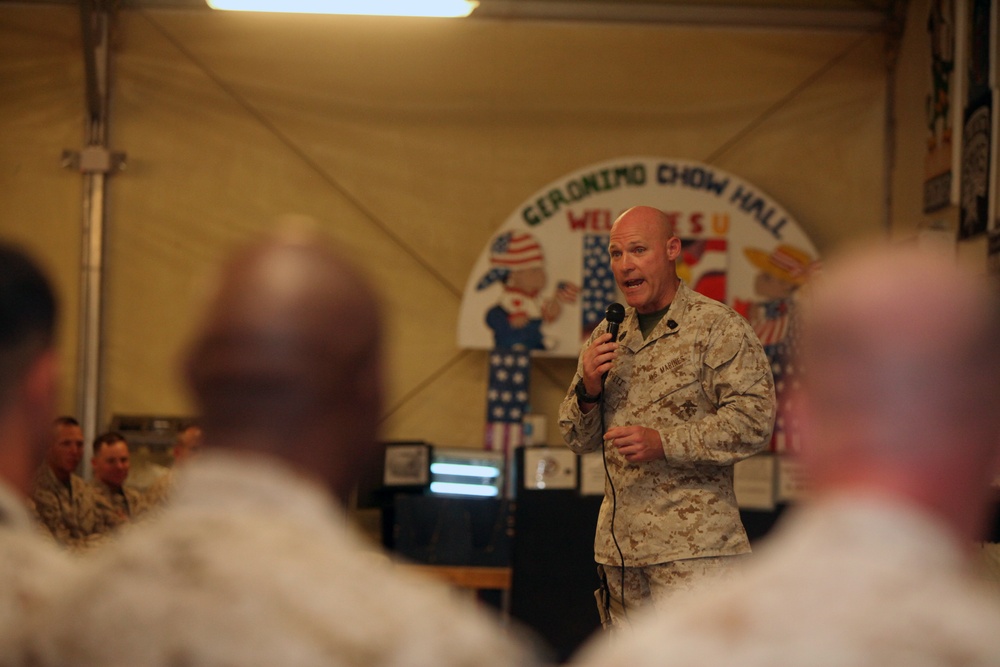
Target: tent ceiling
[{"x": 834, "y": 14}]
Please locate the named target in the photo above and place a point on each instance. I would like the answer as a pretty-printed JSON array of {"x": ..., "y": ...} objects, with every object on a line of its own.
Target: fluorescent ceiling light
[{"x": 440, "y": 8}]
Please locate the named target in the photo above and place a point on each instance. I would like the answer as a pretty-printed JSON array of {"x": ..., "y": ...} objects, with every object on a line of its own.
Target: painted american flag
[
  {"x": 507, "y": 399},
  {"x": 783, "y": 356},
  {"x": 598, "y": 282}
]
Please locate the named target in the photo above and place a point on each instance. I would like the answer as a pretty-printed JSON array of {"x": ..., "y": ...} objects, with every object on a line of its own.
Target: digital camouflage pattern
[
  {"x": 705, "y": 384},
  {"x": 253, "y": 564},
  {"x": 122, "y": 507},
  {"x": 656, "y": 583},
  {"x": 854, "y": 580},
  {"x": 159, "y": 490},
  {"x": 74, "y": 515},
  {"x": 30, "y": 577}
]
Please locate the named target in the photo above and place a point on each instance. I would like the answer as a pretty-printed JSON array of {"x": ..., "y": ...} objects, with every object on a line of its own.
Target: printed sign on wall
[
  {"x": 943, "y": 104},
  {"x": 543, "y": 281}
]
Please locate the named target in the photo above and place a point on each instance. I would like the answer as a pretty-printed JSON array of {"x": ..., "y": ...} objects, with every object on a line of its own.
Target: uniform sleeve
[
  {"x": 96, "y": 515},
  {"x": 581, "y": 432},
  {"x": 49, "y": 514},
  {"x": 736, "y": 378}
]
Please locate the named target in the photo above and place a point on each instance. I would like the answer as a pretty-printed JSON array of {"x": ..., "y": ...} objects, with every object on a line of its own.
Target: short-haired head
[
  {"x": 65, "y": 448},
  {"x": 644, "y": 250},
  {"x": 111, "y": 460},
  {"x": 65, "y": 420},
  {"x": 28, "y": 368},
  {"x": 288, "y": 360},
  {"x": 188, "y": 441},
  {"x": 27, "y": 315},
  {"x": 108, "y": 438},
  {"x": 901, "y": 370}
]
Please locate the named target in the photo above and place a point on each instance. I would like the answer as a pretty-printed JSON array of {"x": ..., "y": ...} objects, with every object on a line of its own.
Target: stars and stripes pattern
[
  {"x": 507, "y": 399},
  {"x": 567, "y": 292},
  {"x": 786, "y": 437},
  {"x": 515, "y": 250},
  {"x": 598, "y": 281},
  {"x": 773, "y": 327}
]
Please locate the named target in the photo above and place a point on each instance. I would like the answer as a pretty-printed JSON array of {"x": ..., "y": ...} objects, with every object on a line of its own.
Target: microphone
[{"x": 615, "y": 315}]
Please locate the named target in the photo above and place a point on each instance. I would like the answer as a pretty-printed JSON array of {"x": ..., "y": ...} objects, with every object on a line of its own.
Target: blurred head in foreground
[
  {"x": 27, "y": 366},
  {"x": 901, "y": 354},
  {"x": 288, "y": 360}
]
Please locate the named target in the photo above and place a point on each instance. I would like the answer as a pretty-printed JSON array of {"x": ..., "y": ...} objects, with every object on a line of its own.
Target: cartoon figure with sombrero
[
  {"x": 517, "y": 261},
  {"x": 782, "y": 272}
]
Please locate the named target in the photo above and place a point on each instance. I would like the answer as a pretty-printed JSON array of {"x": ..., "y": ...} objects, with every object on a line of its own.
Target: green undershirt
[{"x": 648, "y": 321}]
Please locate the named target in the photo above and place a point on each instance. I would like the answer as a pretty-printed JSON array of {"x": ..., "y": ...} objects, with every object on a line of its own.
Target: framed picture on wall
[
  {"x": 978, "y": 132},
  {"x": 977, "y": 148},
  {"x": 944, "y": 102},
  {"x": 407, "y": 464}
]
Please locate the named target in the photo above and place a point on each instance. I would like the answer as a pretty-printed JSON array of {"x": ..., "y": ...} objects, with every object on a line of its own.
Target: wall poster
[
  {"x": 543, "y": 281},
  {"x": 943, "y": 105}
]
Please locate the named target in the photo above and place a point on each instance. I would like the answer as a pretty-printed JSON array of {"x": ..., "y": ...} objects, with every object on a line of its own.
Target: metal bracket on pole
[{"x": 94, "y": 160}]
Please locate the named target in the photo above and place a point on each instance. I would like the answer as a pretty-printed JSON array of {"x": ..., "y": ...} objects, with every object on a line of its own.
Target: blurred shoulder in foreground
[
  {"x": 901, "y": 365},
  {"x": 253, "y": 561}
]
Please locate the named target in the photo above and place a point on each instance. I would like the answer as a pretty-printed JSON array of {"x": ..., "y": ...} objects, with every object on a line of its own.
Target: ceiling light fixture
[{"x": 438, "y": 8}]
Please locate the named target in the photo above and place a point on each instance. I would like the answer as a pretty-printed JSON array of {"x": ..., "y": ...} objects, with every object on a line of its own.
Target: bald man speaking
[{"x": 682, "y": 394}]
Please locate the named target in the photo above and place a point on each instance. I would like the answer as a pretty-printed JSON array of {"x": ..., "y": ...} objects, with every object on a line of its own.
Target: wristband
[{"x": 581, "y": 393}]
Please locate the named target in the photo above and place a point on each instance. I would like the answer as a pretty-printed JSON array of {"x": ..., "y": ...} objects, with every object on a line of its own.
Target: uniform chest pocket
[
  {"x": 675, "y": 397},
  {"x": 650, "y": 389},
  {"x": 667, "y": 385}
]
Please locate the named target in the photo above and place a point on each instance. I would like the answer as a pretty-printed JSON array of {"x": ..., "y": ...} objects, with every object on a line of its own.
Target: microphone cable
[
  {"x": 615, "y": 315},
  {"x": 614, "y": 511}
]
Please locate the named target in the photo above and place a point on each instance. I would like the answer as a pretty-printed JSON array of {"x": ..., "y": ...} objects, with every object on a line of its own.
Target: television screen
[{"x": 466, "y": 472}]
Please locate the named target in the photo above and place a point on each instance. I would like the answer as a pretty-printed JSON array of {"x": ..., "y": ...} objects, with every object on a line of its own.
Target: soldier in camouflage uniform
[
  {"x": 254, "y": 561},
  {"x": 64, "y": 503},
  {"x": 874, "y": 567},
  {"x": 111, "y": 466},
  {"x": 688, "y": 392},
  {"x": 30, "y": 564}
]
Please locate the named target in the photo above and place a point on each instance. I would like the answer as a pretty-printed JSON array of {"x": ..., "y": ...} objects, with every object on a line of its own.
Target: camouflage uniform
[
  {"x": 853, "y": 579},
  {"x": 253, "y": 564},
  {"x": 30, "y": 569},
  {"x": 159, "y": 490},
  {"x": 72, "y": 514},
  {"x": 123, "y": 506},
  {"x": 701, "y": 379}
]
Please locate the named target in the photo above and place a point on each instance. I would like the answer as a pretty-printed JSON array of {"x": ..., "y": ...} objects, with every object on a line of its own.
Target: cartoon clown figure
[
  {"x": 781, "y": 273},
  {"x": 518, "y": 263}
]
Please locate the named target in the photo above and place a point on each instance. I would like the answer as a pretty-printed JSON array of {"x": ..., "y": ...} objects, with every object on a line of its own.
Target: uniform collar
[{"x": 633, "y": 339}]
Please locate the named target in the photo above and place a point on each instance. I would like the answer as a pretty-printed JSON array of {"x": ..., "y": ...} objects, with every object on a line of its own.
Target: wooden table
[{"x": 470, "y": 578}]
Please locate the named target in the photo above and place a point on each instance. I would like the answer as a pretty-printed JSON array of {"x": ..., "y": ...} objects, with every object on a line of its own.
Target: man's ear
[
  {"x": 41, "y": 388},
  {"x": 673, "y": 248}
]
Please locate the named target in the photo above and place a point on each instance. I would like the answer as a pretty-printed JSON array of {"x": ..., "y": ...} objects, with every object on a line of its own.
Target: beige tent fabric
[
  {"x": 41, "y": 114},
  {"x": 411, "y": 141}
]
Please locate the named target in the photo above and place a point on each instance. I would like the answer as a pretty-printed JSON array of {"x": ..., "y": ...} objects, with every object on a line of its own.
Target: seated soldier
[
  {"x": 111, "y": 466},
  {"x": 64, "y": 503}
]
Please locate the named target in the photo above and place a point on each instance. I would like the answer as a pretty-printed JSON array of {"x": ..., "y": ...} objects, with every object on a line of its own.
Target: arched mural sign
[{"x": 543, "y": 281}]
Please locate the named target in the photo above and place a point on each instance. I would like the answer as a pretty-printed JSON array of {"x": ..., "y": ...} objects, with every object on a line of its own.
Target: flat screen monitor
[{"x": 466, "y": 473}]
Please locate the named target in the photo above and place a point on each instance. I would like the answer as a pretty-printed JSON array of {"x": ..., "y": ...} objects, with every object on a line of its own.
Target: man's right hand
[{"x": 597, "y": 360}]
